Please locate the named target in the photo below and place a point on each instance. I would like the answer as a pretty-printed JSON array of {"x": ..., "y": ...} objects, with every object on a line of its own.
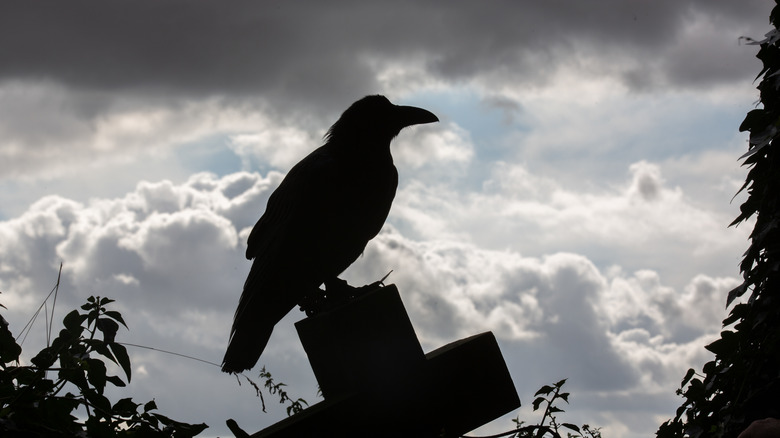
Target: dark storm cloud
[
  {"x": 177, "y": 46},
  {"x": 317, "y": 50}
]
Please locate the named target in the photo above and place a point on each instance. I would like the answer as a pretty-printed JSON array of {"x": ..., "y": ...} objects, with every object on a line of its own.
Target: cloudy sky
[{"x": 574, "y": 198}]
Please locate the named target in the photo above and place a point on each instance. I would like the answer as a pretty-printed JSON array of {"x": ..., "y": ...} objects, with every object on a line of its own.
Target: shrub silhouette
[{"x": 33, "y": 404}]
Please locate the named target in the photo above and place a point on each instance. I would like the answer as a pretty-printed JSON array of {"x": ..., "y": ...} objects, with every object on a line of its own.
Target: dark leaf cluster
[
  {"x": 277, "y": 389},
  {"x": 62, "y": 393},
  {"x": 741, "y": 384},
  {"x": 549, "y": 396}
]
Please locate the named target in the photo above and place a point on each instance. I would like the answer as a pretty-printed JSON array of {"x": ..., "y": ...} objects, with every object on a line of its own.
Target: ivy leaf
[
  {"x": 113, "y": 314},
  {"x": 727, "y": 342},
  {"x": 57, "y": 411},
  {"x": 116, "y": 381},
  {"x": 108, "y": 327},
  {"x": 45, "y": 358},
  {"x": 150, "y": 406},
  {"x": 120, "y": 352},
  {"x": 74, "y": 375},
  {"x": 546, "y": 389},
  {"x": 9, "y": 349},
  {"x": 736, "y": 293},
  {"x": 738, "y": 312},
  {"x": 757, "y": 118},
  {"x": 126, "y": 407},
  {"x": 96, "y": 374},
  {"x": 73, "y": 321},
  {"x": 538, "y": 401},
  {"x": 183, "y": 430},
  {"x": 571, "y": 426},
  {"x": 710, "y": 367},
  {"x": 99, "y": 402},
  {"x": 101, "y": 347}
]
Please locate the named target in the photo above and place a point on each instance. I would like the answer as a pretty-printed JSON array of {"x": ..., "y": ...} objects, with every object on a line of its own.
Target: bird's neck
[{"x": 371, "y": 150}]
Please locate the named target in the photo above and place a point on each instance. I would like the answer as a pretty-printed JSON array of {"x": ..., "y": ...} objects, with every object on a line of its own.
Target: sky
[{"x": 574, "y": 198}]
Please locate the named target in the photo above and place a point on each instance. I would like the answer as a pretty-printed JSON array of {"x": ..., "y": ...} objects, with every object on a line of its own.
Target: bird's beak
[{"x": 411, "y": 115}]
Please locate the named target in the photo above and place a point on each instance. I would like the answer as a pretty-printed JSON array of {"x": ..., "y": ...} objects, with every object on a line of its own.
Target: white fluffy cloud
[
  {"x": 642, "y": 223},
  {"x": 161, "y": 247},
  {"x": 614, "y": 334},
  {"x": 280, "y": 148},
  {"x": 436, "y": 147},
  {"x": 455, "y": 289},
  {"x": 171, "y": 254}
]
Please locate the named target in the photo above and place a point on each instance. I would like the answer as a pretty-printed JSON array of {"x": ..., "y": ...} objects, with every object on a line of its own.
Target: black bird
[{"x": 319, "y": 220}]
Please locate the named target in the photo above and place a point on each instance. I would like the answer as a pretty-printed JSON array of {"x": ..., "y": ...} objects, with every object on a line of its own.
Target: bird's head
[{"x": 376, "y": 119}]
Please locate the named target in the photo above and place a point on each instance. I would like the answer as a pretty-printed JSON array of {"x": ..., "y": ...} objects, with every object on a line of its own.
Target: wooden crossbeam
[{"x": 377, "y": 382}]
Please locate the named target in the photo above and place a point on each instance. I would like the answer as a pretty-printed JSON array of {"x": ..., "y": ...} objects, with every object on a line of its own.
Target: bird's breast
[{"x": 364, "y": 200}]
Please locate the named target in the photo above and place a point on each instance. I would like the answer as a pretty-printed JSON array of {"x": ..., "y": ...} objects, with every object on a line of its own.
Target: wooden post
[{"x": 377, "y": 382}]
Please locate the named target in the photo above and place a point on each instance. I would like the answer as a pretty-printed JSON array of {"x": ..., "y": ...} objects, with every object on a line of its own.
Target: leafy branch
[
  {"x": 741, "y": 384},
  {"x": 32, "y": 404},
  {"x": 549, "y": 396}
]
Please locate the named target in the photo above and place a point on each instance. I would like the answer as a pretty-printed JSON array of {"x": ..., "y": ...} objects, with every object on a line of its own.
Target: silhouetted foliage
[
  {"x": 275, "y": 388},
  {"x": 549, "y": 396},
  {"x": 32, "y": 403},
  {"x": 549, "y": 426},
  {"x": 742, "y": 383}
]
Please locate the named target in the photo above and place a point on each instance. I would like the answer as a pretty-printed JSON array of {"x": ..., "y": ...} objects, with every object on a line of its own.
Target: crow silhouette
[{"x": 319, "y": 220}]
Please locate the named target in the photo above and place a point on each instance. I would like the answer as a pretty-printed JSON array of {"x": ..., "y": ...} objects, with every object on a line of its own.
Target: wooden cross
[{"x": 377, "y": 382}]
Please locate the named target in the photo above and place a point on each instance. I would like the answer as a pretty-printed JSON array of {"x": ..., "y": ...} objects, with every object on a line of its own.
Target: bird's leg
[
  {"x": 369, "y": 287},
  {"x": 338, "y": 291},
  {"x": 313, "y": 302}
]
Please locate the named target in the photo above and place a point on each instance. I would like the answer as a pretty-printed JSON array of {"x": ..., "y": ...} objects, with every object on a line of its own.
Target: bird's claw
[
  {"x": 312, "y": 303},
  {"x": 337, "y": 293}
]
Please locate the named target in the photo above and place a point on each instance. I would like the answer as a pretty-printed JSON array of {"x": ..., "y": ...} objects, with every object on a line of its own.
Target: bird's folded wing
[{"x": 292, "y": 215}]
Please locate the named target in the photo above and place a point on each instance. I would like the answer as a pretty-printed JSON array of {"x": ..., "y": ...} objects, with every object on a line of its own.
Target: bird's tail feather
[
  {"x": 245, "y": 347},
  {"x": 264, "y": 302}
]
